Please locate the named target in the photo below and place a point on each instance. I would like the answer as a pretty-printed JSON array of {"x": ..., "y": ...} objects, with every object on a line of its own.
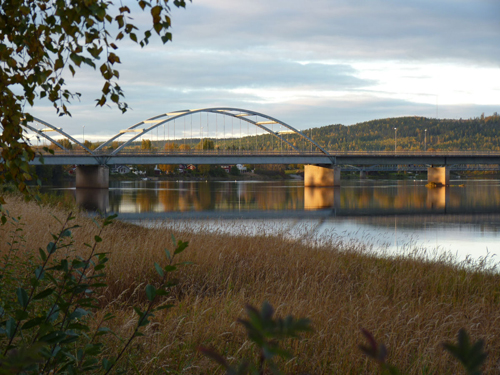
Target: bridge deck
[{"x": 223, "y": 157}]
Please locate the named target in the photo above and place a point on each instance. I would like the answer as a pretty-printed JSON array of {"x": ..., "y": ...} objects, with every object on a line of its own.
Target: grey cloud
[
  {"x": 191, "y": 69},
  {"x": 466, "y": 30}
]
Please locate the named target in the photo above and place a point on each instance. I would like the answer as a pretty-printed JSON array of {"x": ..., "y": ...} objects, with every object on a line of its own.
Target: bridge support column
[
  {"x": 92, "y": 176},
  {"x": 315, "y": 175},
  {"x": 363, "y": 174},
  {"x": 438, "y": 175}
]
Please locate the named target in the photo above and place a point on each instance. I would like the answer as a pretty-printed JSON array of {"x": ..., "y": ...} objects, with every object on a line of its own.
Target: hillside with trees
[{"x": 481, "y": 133}]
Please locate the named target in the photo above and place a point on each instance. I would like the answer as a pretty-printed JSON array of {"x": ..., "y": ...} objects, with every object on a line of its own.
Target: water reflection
[
  {"x": 357, "y": 198},
  {"x": 321, "y": 197},
  {"x": 92, "y": 199},
  {"x": 465, "y": 218}
]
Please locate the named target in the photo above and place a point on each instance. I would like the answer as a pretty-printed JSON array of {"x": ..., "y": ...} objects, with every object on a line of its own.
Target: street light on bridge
[
  {"x": 395, "y": 138},
  {"x": 425, "y": 140}
]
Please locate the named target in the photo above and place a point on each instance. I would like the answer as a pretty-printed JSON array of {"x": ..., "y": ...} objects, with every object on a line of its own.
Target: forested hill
[
  {"x": 474, "y": 134},
  {"x": 480, "y": 134}
]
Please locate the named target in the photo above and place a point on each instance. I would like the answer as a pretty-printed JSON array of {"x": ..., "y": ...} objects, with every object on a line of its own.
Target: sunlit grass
[{"x": 412, "y": 303}]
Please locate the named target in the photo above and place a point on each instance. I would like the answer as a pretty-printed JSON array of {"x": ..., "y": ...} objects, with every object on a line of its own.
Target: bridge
[{"x": 288, "y": 146}]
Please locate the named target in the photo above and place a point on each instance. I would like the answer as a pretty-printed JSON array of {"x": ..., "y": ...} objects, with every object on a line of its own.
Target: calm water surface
[{"x": 390, "y": 215}]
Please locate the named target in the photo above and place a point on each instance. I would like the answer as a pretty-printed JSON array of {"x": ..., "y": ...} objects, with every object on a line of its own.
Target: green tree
[
  {"x": 42, "y": 39},
  {"x": 234, "y": 171},
  {"x": 206, "y": 144}
]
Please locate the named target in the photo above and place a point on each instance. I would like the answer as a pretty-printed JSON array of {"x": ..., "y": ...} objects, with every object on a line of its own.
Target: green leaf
[
  {"x": 43, "y": 256},
  {"x": 33, "y": 322},
  {"x": 150, "y": 292},
  {"x": 107, "y": 364},
  {"x": 51, "y": 247},
  {"x": 181, "y": 246},
  {"x": 109, "y": 219},
  {"x": 167, "y": 253},
  {"x": 47, "y": 292},
  {"x": 22, "y": 297},
  {"x": 161, "y": 292},
  {"x": 138, "y": 311},
  {"x": 170, "y": 268},
  {"x": 97, "y": 239},
  {"x": 168, "y": 306},
  {"x": 159, "y": 270},
  {"x": 39, "y": 272},
  {"x": 10, "y": 328}
]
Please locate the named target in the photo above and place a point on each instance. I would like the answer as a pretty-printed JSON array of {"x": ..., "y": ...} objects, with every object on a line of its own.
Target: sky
[{"x": 307, "y": 63}]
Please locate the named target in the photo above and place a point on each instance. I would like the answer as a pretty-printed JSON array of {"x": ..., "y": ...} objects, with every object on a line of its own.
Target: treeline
[{"x": 481, "y": 133}]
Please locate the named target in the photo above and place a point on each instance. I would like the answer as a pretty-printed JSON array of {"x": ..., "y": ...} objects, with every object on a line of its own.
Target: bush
[{"x": 234, "y": 171}]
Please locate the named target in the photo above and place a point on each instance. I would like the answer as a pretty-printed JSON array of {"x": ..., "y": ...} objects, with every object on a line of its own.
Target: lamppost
[
  {"x": 395, "y": 138},
  {"x": 425, "y": 140},
  {"x": 202, "y": 145}
]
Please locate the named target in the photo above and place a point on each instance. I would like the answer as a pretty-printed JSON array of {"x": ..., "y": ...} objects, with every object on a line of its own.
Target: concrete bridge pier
[
  {"x": 363, "y": 174},
  {"x": 321, "y": 175},
  {"x": 438, "y": 175},
  {"x": 92, "y": 177}
]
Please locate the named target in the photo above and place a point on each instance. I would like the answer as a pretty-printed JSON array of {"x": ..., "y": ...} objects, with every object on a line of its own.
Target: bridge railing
[{"x": 81, "y": 152}]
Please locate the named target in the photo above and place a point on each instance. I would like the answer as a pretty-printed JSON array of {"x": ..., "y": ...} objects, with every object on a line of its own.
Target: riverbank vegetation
[{"x": 412, "y": 302}]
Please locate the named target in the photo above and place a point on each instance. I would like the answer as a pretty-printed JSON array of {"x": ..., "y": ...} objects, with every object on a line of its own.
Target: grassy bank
[{"x": 409, "y": 303}]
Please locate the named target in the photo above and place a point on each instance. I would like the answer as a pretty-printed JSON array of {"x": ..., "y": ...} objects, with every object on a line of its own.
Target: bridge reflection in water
[{"x": 141, "y": 199}]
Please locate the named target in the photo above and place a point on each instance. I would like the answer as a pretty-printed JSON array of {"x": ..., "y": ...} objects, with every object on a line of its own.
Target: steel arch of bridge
[
  {"x": 57, "y": 130},
  {"x": 226, "y": 111},
  {"x": 164, "y": 118}
]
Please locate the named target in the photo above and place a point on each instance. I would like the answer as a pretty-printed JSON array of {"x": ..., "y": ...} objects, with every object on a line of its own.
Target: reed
[{"x": 413, "y": 302}]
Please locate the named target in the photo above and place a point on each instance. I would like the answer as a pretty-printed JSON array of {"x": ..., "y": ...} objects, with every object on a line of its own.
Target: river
[{"x": 391, "y": 216}]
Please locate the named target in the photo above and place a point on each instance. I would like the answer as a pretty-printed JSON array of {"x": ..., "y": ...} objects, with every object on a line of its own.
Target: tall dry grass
[{"x": 410, "y": 303}]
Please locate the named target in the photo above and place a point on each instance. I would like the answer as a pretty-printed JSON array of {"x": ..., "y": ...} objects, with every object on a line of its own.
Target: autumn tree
[
  {"x": 168, "y": 168},
  {"x": 146, "y": 144},
  {"x": 43, "y": 40},
  {"x": 65, "y": 142},
  {"x": 171, "y": 146}
]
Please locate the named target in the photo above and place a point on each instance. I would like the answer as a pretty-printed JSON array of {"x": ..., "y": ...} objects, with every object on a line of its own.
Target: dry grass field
[{"x": 409, "y": 303}]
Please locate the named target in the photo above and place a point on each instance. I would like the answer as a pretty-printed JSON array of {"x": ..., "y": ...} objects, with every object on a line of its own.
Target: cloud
[{"x": 327, "y": 29}]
